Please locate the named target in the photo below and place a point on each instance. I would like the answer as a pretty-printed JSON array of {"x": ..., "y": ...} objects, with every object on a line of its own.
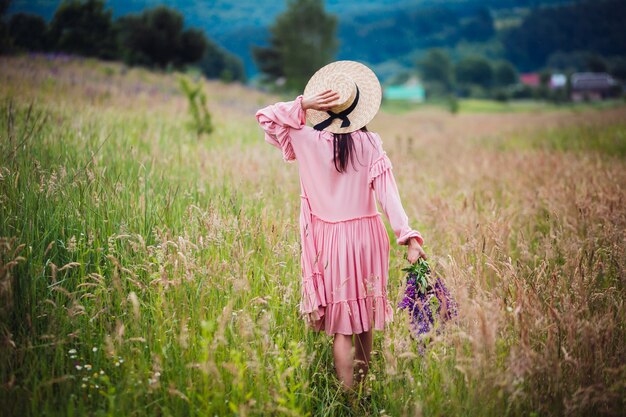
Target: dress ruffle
[
  {"x": 312, "y": 300},
  {"x": 362, "y": 315},
  {"x": 313, "y": 297},
  {"x": 379, "y": 167},
  {"x": 353, "y": 257}
]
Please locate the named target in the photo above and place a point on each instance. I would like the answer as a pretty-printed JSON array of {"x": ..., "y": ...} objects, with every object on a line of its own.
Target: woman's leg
[
  {"x": 342, "y": 352},
  {"x": 363, "y": 342}
]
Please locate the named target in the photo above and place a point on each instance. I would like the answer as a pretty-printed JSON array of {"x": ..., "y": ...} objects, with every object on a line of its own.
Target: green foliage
[
  {"x": 504, "y": 74},
  {"x": 28, "y": 31},
  {"x": 596, "y": 63},
  {"x": 302, "y": 40},
  {"x": 217, "y": 63},
  {"x": 200, "y": 116},
  {"x": 436, "y": 67},
  {"x": 473, "y": 76},
  {"x": 5, "y": 38},
  {"x": 453, "y": 104},
  {"x": 568, "y": 61},
  {"x": 83, "y": 28},
  {"x": 4, "y": 6},
  {"x": 474, "y": 70},
  {"x": 617, "y": 67},
  {"x": 421, "y": 271},
  {"x": 378, "y": 37},
  {"x": 591, "y": 25},
  {"x": 607, "y": 140},
  {"x": 193, "y": 45},
  {"x": 156, "y": 37},
  {"x": 500, "y": 94}
]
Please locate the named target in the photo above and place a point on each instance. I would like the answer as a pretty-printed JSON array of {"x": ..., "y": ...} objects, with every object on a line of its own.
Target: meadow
[{"x": 147, "y": 271}]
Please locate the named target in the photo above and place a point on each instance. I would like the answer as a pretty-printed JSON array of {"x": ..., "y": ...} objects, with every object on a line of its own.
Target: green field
[
  {"x": 471, "y": 105},
  {"x": 147, "y": 271}
]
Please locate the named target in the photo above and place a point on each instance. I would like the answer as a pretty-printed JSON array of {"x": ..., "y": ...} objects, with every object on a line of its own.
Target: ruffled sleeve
[
  {"x": 383, "y": 182},
  {"x": 277, "y": 120}
]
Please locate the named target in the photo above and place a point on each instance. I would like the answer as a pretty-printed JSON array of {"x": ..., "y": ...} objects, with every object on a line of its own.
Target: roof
[
  {"x": 592, "y": 81},
  {"x": 530, "y": 79}
]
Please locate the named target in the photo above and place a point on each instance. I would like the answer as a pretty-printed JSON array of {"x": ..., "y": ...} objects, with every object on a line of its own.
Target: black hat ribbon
[{"x": 343, "y": 115}]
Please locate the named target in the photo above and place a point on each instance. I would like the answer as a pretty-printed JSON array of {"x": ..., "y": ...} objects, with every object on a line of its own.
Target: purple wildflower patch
[{"x": 427, "y": 300}]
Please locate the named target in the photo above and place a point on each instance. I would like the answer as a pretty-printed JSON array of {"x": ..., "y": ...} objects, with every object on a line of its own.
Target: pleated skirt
[{"x": 353, "y": 257}]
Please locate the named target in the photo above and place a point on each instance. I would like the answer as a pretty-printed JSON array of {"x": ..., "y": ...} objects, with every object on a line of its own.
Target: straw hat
[{"x": 359, "y": 96}]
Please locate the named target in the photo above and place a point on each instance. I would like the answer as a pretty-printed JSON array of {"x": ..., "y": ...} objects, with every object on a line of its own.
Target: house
[
  {"x": 412, "y": 90},
  {"x": 558, "y": 81},
  {"x": 530, "y": 79},
  {"x": 592, "y": 86}
]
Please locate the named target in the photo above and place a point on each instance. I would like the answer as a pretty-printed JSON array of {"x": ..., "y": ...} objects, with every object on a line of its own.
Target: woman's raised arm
[{"x": 277, "y": 119}]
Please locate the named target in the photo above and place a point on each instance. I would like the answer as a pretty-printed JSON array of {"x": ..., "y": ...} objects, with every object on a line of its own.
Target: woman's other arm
[{"x": 384, "y": 184}]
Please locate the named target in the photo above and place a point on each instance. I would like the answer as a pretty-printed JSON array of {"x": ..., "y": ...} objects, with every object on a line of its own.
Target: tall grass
[{"x": 145, "y": 272}]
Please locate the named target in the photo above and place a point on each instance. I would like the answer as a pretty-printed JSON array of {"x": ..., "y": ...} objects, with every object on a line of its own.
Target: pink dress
[{"x": 345, "y": 246}]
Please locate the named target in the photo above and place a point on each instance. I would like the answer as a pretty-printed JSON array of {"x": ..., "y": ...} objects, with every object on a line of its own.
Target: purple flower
[{"x": 426, "y": 301}]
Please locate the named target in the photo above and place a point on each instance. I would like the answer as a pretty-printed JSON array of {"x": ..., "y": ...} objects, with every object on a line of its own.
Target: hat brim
[{"x": 370, "y": 94}]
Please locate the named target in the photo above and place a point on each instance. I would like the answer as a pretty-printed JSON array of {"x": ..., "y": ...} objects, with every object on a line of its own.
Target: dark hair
[{"x": 343, "y": 149}]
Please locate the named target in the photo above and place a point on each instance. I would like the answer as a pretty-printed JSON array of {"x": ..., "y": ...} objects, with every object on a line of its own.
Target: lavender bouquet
[{"x": 427, "y": 300}]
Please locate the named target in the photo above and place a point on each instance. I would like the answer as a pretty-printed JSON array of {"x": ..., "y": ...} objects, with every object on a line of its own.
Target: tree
[
  {"x": 4, "y": 6},
  {"x": 474, "y": 70},
  {"x": 83, "y": 28},
  {"x": 193, "y": 43},
  {"x": 618, "y": 68},
  {"x": 217, "y": 63},
  {"x": 233, "y": 68},
  {"x": 28, "y": 31},
  {"x": 302, "y": 40},
  {"x": 269, "y": 61},
  {"x": 5, "y": 39},
  {"x": 153, "y": 37},
  {"x": 436, "y": 67},
  {"x": 596, "y": 63},
  {"x": 156, "y": 37},
  {"x": 569, "y": 61},
  {"x": 504, "y": 74}
]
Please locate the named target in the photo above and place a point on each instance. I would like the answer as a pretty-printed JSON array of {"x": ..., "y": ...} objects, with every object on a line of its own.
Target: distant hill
[
  {"x": 551, "y": 34},
  {"x": 381, "y": 32}
]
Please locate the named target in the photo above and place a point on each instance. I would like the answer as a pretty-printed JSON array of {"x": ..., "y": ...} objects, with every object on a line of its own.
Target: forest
[
  {"x": 392, "y": 35},
  {"x": 156, "y": 37}
]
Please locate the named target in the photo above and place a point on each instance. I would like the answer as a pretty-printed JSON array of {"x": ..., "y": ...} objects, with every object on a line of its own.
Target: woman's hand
[
  {"x": 415, "y": 251},
  {"x": 322, "y": 101}
]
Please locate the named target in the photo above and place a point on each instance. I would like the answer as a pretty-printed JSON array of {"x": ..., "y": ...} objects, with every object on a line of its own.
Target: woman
[{"x": 343, "y": 168}]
